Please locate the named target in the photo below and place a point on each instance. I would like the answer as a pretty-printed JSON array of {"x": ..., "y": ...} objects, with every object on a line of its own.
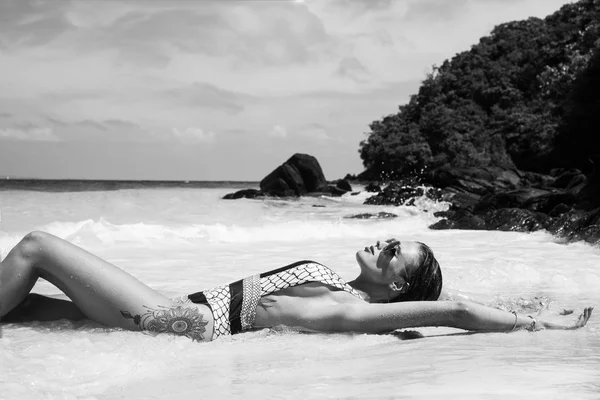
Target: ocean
[{"x": 182, "y": 238}]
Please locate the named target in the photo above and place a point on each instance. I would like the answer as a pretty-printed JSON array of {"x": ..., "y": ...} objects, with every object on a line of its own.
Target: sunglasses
[{"x": 392, "y": 247}]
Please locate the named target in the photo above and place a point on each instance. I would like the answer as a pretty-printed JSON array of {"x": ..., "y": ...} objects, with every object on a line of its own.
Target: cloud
[
  {"x": 102, "y": 125},
  {"x": 91, "y": 124},
  {"x": 245, "y": 33},
  {"x": 119, "y": 123},
  {"x": 278, "y": 131},
  {"x": 29, "y": 133},
  {"x": 68, "y": 94},
  {"x": 364, "y": 5},
  {"x": 102, "y": 130},
  {"x": 314, "y": 131},
  {"x": 149, "y": 37},
  {"x": 193, "y": 136},
  {"x": 277, "y": 33},
  {"x": 237, "y": 131},
  {"x": 351, "y": 68},
  {"x": 205, "y": 95},
  {"x": 32, "y": 22},
  {"x": 442, "y": 10}
]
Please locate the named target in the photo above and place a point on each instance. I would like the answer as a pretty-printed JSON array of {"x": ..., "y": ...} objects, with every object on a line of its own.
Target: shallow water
[{"x": 184, "y": 240}]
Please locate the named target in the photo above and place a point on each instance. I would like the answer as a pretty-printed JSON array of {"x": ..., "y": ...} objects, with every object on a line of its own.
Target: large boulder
[{"x": 299, "y": 175}]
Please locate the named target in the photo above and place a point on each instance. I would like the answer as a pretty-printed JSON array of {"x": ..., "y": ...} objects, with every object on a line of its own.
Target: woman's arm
[{"x": 378, "y": 318}]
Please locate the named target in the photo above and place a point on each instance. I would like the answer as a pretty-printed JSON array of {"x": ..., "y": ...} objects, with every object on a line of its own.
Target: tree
[
  {"x": 501, "y": 102},
  {"x": 578, "y": 142}
]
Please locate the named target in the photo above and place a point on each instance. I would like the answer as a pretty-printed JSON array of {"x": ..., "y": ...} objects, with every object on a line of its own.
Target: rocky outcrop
[
  {"x": 562, "y": 204},
  {"x": 566, "y": 203},
  {"x": 298, "y": 176}
]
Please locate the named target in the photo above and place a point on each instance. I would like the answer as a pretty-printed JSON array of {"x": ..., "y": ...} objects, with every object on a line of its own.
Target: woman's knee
[{"x": 32, "y": 245}]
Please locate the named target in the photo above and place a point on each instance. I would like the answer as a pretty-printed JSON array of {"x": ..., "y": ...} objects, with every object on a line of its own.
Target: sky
[{"x": 217, "y": 90}]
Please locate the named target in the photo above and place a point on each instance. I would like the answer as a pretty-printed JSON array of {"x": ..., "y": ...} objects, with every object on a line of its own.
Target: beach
[{"x": 180, "y": 240}]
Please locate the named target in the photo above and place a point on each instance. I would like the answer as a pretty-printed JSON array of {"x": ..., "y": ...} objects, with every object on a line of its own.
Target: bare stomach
[{"x": 296, "y": 306}]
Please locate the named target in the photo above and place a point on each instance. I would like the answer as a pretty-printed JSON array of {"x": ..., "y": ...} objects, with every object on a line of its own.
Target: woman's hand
[{"x": 580, "y": 323}]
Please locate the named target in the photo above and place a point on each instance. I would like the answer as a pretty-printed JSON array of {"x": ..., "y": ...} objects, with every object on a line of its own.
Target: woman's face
[{"x": 390, "y": 260}]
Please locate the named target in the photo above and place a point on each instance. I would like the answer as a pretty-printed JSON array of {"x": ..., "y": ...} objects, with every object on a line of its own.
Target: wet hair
[{"x": 426, "y": 283}]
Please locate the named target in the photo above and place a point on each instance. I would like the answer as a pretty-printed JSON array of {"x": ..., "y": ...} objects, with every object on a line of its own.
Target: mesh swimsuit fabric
[{"x": 234, "y": 305}]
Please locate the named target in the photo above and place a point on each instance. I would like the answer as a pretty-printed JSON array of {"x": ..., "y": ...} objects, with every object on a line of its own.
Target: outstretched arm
[{"x": 378, "y": 318}]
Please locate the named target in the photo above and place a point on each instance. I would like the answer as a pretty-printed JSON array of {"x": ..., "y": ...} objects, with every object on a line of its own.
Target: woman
[{"x": 395, "y": 276}]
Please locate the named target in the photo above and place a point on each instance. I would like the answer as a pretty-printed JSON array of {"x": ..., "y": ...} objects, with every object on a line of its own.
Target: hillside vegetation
[{"x": 527, "y": 96}]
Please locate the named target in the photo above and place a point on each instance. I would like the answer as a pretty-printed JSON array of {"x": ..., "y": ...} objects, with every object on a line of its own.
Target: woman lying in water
[{"x": 395, "y": 289}]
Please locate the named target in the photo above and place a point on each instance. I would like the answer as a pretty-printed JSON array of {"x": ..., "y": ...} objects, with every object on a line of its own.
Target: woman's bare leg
[
  {"x": 39, "y": 308},
  {"x": 103, "y": 292}
]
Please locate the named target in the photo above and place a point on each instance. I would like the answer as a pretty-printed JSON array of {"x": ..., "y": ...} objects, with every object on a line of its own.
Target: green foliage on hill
[
  {"x": 508, "y": 101},
  {"x": 578, "y": 139}
]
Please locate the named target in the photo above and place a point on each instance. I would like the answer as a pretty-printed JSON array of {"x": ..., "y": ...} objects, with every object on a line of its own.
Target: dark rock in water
[
  {"x": 464, "y": 201},
  {"x": 567, "y": 223},
  {"x": 318, "y": 205},
  {"x": 344, "y": 185},
  {"x": 284, "y": 181},
  {"x": 245, "y": 193},
  {"x": 354, "y": 193},
  {"x": 460, "y": 219},
  {"x": 395, "y": 194},
  {"x": 511, "y": 199},
  {"x": 336, "y": 191},
  {"x": 577, "y": 225},
  {"x": 590, "y": 234},
  {"x": 496, "y": 198},
  {"x": 380, "y": 215},
  {"x": 515, "y": 219},
  {"x": 572, "y": 180},
  {"x": 297, "y": 176},
  {"x": 533, "y": 179},
  {"x": 434, "y": 194},
  {"x": 475, "y": 180},
  {"x": 503, "y": 219},
  {"x": 473, "y": 185},
  {"x": 407, "y": 335},
  {"x": 373, "y": 188},
  {"x": 548, "y": 202},
  {"x": 589, "y": 196},
  {"x": 559, "y": 210}
]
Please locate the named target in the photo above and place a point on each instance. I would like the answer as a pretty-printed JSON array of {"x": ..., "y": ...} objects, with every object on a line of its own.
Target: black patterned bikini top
[{"x": 234, "y": 305}]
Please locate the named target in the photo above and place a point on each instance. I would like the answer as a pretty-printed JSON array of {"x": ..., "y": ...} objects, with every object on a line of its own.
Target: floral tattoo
[{"x": 180, "y": 321}]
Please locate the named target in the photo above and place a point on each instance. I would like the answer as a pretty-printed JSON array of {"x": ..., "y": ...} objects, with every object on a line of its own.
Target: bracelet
[
  {"x": 532, "y": 326},
  {"x": 516, "y": 318}
]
